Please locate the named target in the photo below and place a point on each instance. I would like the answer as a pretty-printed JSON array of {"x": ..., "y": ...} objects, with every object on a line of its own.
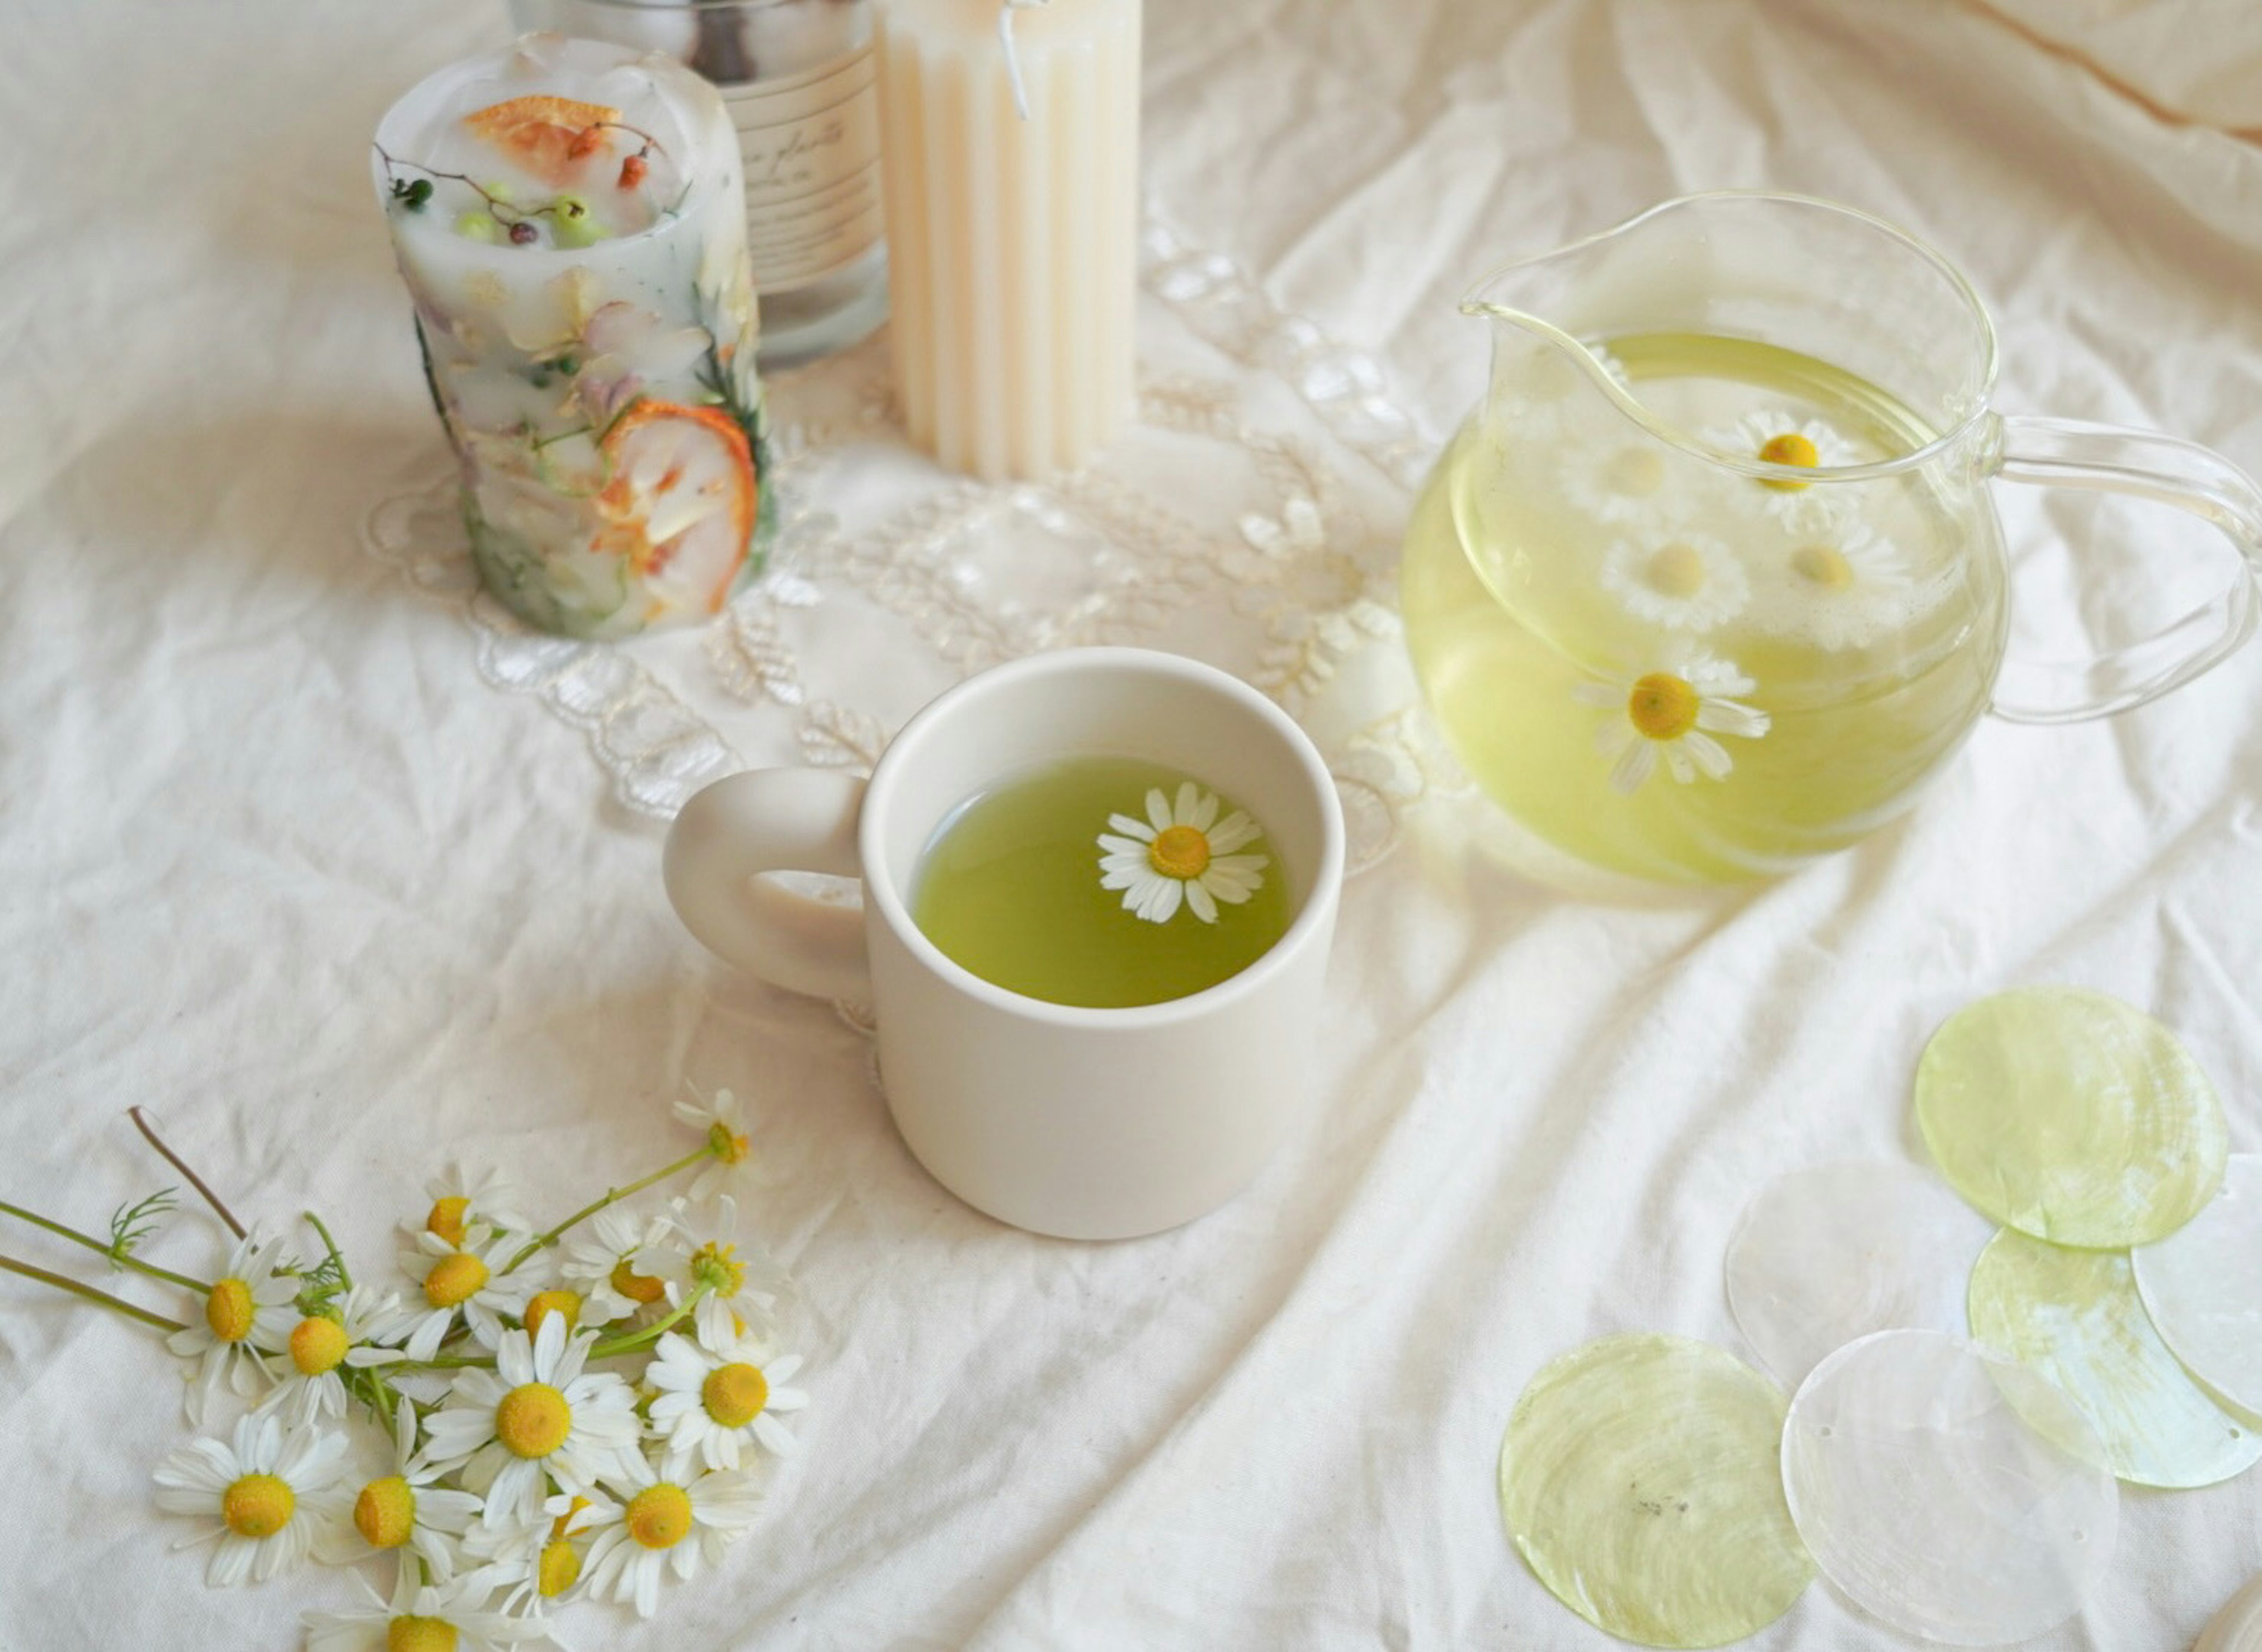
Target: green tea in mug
[{"x": 1102, "y": 882}]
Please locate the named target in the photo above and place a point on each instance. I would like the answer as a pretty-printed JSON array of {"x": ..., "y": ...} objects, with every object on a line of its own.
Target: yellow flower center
[
  {"x": 557, "y": 1526},
  {"x": 447, "y": 1219},
  {"x": 1637, "y": 471},
  {"x": 717, "y": 1267},
  {"x": 545, "y": 1302},
  {"x": 1675, "y": 570},
  {"x": 728, "y": 1148},
  {"x": 258, "y": 1505},
  {"x": 1824, "y": 565},
  {"x": 1179, "y": 852},
  {"x": 317, "y": 1345},
  {"x": 560, "y": 1567},
  {"x": 660, "y": 1516},
  {"x": 1789, "y": 448},
  {"x": 228, "y": 1311},
  {"x": 385, "y": 1513},
  {"x": 1663, "y": 707},
  {"x": 533, "y": 1420},
  {"x": 637, "y": 1287},
  {"x": 734, "y": 1395},
  {"x": 455, "y": 1278},
  {"x": 420, "y": 1634}
]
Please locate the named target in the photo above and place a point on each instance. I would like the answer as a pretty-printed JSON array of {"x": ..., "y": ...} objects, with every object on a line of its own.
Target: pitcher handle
[
  {"x": 2143, "y": 464},
  {"x": 771, "y": 819}
]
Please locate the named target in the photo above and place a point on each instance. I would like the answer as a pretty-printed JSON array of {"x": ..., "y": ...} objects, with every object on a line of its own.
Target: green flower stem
[
  {"x": 150, "y": 1134},
  {"x": 102, "y": 1297},
  {"x": 345, "y": 1277},
  {"x": 636, "y": 1341},
  {"x": 613, "y": 1195},
  {"x": 93, "y": 1244}
]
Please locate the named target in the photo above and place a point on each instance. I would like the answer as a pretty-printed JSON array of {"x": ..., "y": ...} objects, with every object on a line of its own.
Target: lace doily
[{"x": 1250, "y": 519}]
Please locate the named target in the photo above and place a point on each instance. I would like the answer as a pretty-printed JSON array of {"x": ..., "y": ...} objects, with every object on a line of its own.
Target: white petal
[
  {"x": 1168, "y": 893},
  {"x": 1614, "y": 734},
  {"x": 1232, "y": 832},
  {"x": 1205, "y": 811},
  {"x": 1122, "y": 848},
  {"x": 1727, "y": 716},
  {"x": 1676, "y": 761},
  {"x": 1611, "y": 695},
  {"x": 1199, "y": 902},
  {"x": 1130, "y": 827},
  {"x": 1188, "y": 800},
  {"x": 231, "y": 1562},
  {"x": 1710, "y": 756},
  {"x": 1158, "y": 808},
  {"x": 1634, "y": 767}
]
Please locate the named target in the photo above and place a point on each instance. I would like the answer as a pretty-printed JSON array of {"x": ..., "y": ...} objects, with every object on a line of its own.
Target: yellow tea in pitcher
[{"x": 1673, "y": 669}]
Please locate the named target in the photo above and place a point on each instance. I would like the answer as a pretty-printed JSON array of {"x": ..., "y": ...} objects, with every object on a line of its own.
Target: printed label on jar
[{"x": 811, "y": 145}]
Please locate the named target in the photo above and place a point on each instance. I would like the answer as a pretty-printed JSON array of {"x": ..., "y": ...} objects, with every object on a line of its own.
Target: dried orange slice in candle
[
  {"x": 540, "y": 132},
  {"x": 679, "y": 501}
]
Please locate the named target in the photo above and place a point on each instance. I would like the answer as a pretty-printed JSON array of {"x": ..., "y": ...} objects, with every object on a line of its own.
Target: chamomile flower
[
  {"x": 438, "y": 1617},
  {"x": 268, "y": 1493},
  {"x": 462, "y": 1201},
  {"x": 1685, "y": 582},
  {"x": 535, "y": 1414},
  {"x": 1181, "y": 853},
  {"x": 1621, "y": 482},
  {"x": 620, "y": 1266},
  {"x": 470, "y": 1281},
  {"x": 741, "y": 1280},
  {"x": 408, "y": 1509},
  {"x": 352, "y": 1331},
  {"x": 672, "y": 1516},
  {"x": 712, "y": 1403},
  {"x": 723, "y": 1121},
  {"x": 1673, "y": 712},
  {"x": 247, "y": 1315},
  {"x": 1780, "y": 436},
  {"x": 535, "y": 1561}
]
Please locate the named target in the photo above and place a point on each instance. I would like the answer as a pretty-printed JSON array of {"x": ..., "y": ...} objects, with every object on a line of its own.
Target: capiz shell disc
[
  {"x": 1826, "y": 1255},
  {"x": 2203, "y": 1286},
  {"x": 1639, "y": 1481},
  {"x": 2237, "y": 1628},
  {"x": 2071, "y": 1116},
  {"x": 2074, "y": 1316},
  {"x": 1923, "y": 1494}
]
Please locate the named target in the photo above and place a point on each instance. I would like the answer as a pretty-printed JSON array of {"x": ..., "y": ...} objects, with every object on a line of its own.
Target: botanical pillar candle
[
  {"x": 570, "y": 220},
  {"x": 1010, "y": 238}
]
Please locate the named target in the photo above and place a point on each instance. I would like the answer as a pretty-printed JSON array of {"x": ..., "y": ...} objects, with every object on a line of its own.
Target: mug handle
[
  {"x": 773, "y": 820},
  {"x": 2143, "y": 464}
]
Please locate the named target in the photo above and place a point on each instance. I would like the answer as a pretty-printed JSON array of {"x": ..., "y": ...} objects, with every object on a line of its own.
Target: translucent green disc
[
  {"x": 2073, "y": 1117},
  {"x": 1640, "y": 1481},
  {"x": 2203, "y": 1287},
  {"x": 2074, "y": 1316}
]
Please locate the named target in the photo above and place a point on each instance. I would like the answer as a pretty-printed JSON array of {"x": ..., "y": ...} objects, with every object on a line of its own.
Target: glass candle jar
[{"x": 800, "y": 82}]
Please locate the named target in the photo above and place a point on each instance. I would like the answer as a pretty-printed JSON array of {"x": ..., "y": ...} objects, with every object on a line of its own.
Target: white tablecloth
[{"x": 284, "y": 866}]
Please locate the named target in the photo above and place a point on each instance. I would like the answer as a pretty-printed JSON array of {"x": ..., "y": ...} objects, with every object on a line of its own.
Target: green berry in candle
[
  {"x": 573, "y": 224},
  {"x": 479, "y": 226}
]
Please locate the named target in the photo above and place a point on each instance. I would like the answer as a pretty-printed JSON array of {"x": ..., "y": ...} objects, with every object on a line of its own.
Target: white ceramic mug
[{"x": 1086, "y": 1124}]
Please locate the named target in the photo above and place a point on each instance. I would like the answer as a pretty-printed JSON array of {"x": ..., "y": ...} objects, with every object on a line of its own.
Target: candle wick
[{"x": 1005, "y": 10}]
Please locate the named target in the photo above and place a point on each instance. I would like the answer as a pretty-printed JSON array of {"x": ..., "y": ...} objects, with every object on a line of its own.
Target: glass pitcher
[{"x": 1711, "y": 584}]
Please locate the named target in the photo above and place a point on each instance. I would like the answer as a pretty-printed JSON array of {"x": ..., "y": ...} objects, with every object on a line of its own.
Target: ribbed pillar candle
[{"x": 1011, "y": 242}]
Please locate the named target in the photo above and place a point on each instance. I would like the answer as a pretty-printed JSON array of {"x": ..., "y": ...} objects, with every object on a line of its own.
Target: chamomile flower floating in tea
[
  {"x": 1620, "y": 483},
  {"x": 1675, "y": 713},
  {"x": 1008, "y": 886},
  {"x": 675, "y": 1517},
  {"x": 1780, "y": 436},
  {"x": 440, "y": 1616},
  {"x": 714, "y": 1403},
  {"x": 537, "y": 1413},
  {"x": 248, "y": 1317},
  {"x": 1182, "y": 851},
  {"x": 267, "y": 1492},
  {"x": 1681, "y": 581}
]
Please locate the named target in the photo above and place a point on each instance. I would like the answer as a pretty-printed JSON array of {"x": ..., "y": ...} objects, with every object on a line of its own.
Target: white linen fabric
[{"x": 282, "y": 867}]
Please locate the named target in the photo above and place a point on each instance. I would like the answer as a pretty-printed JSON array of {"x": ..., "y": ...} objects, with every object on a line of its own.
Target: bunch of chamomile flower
[{"x": 517, "y": 1416}]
